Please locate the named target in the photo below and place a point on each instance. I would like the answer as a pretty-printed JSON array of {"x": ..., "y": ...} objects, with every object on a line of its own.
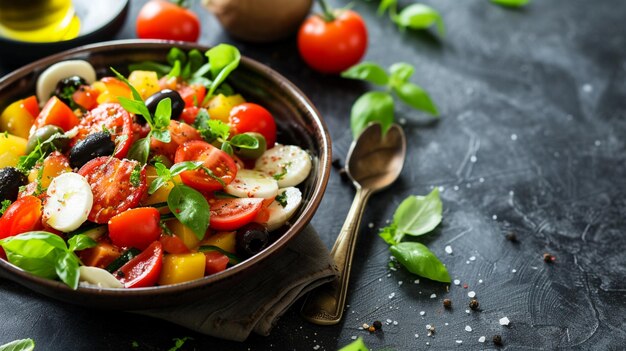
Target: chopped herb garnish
[
  {"x": 281, "y": 175},
  {"x": 135, "y": 176},
  {"x": 5, "y": 204},
  {"x": 282, "y": 199}
]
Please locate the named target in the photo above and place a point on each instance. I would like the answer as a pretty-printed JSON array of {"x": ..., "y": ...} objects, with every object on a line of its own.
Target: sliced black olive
[
  {"x": 178, "y": 104},
  {"x": 66, "y": 87},
  {"x": 10, "y": 182},
  {"x": 94, "y": 145},
  {"x": 252, "y": 153},
  {"x": 251, "y": 239},
  {"x": 44, "y": 133}
]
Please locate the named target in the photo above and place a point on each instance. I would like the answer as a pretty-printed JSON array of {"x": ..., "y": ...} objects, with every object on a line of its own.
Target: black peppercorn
[
  {"x": 548, "y": 258},
  {"x": 377, "y": 325},
  {"x": 473, "y": 304},
  {"x": 511, "y": 237},
  {"x": 447, "y": 303},
  {"x": 337, "y": 163},
  {"x": 344, "y": 175},
  {"x": 497, "y": 340}
]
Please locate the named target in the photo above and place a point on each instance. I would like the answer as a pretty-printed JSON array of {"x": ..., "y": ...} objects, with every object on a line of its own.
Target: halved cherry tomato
[
  {"x": 117, "y": 122},
  {"x": 86, "y": 97},
  {"x": 137, "y": 227},
  {"x": 113, "y": 191},
  {"x": 144, "y": 269},
  {"x": 57, "y": 113},
  {"x": 250, "y": 117},
  {"x": 180, "y": 133},
  {"x": 189, "y": 114},
  {"x": 215, "y": 262},
  {"x": 219, "y": 162},
  {"x": 173, "y": 244},
  {"x": 24, "y": 215},
  {"x": 193, "y": 94},
  {"x": 230, "y": 214},
  {"x": 31, "y": 105},
  {"x": 160, "y": 19}
]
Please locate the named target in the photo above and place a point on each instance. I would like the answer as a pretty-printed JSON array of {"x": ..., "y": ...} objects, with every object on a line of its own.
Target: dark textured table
[{"x": 531, "y": 141}]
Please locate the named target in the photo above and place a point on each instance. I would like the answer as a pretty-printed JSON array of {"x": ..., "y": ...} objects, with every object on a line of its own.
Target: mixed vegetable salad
[{"x": 161, "y": 177}]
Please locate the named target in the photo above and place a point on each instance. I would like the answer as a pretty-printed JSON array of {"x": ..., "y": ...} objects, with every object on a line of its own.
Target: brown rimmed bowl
[{"x": 298, "y": 123}]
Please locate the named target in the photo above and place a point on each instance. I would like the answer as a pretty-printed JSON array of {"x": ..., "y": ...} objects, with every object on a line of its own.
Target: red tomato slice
[
  {"x": 137, "y": 227},
  {"x": 31, "y": 105},
  {"x": 115, "y": 119},
  {"x": 173, "y": 244},
  {"x": 189, "y": 114},
  {"x": 180, "y": 133},
  {"x": 219, "y": 162},
  {"x": 86, "y": 97},
  {"x": 112, "y": 190},
  {"x": 215, "y": 262},
  {"x": 193, "y": 95},
  {"x": 57, "y": 113},
  {"x": 24, "y": 215},
  {"x": 250, "y": 117},
  {"x": 144, "y": 269},
  {"x": 230, "y": 214}
]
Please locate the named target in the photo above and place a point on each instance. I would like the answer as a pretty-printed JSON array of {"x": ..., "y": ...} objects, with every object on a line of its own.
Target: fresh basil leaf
[
  {"x": 134, "y": 106},
  {"x": 163, "y": 114},
  {"x": 181, "y": 167},
  {"x": 176, "y": 54},
  {"x": 420, "y": 16},
  {"x": 386, "y": 4},
  {"x": 134, "y": 91},
  {"x": 162, "y": 171},
  {"x": 175, "y": 71},
  {"x": 223, "y": 59},
  {"x": 19, "y": 345},
  {"x": 418, "y": 215},
  {"x": 200, "y": 72},
  {"x": 373, "y": 106},
  {"x": 220, "y": 129},
  {"x": 245, "y": 141},
  {"x": 159, "y": 68},
  {"x": 162, "y": 135},
  {"x": 195, "y": 60},
  {"x": 140, "y": 150},
  {"x": 81, "y": 242},
  {"x": 202, "y": 120},
  {"x": 232, "y": 258},
  {"x": 368, "y": 71},
  {"x": 416, "y": 97},
  {"x": 35, "y": 252},
  {"x": 388, "y": 233},
  {"x": 511, "y": 3},
  {"x": 66, "y": 267},
  {"x": 156, "y": 184},
  {"x": 190, "y": 208},
  {"x": 401, "y": 72},
  {"x": 227, "y": 148},
  {"x": 357, "y": 345},
  {"x": 418, "y": 259}
]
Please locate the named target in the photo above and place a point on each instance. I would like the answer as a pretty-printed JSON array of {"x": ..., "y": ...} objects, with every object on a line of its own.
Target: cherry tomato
[
  {"x": 137, "y": 227},
  {"x": 113, "y": 118},
  {"x": 335, "y": 45},
  {"x": 31, "y": 105},
  {"x": 250, "y": 117},
  {"x": 189, "y": 114},
  {"x": 160, "y": 19},
  {"x": 180, "y": 133},
  {"x": 215, "y": 262},
  {"x": 86, "y": 97},
  {"x": 219, "y": 162},
  {"x": 173, "y": 244},
  {"x": 230, "y": 214},
  {"x": 24, "y": 215},
  {"x": 144, "y": 269},
  {"x": 113, "y": 191},
  {"x": 193, "y": 94},
  {"x": 57, "y": 113}
]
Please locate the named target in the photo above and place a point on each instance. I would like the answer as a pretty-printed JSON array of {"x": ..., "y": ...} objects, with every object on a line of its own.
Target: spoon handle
[{"x": 325, "y": 304}]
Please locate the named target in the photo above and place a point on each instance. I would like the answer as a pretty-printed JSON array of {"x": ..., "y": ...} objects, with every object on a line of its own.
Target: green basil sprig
[
  {"x": 511, "y": 3},
  {"x": 47, "y": 255},
  {"x": 213, "y": 130},
  {"x": 191, "y": 208},
  {"x": 378, "y": 106},
  {"x": 164, "y": 175},
  {"x": 223, "y": 59},
  {"x": 356, "y": 345},
  {"x": 415, "y": 16},
  {"x": 415, "y": 216},
  {"x": 19, "y": 345}
]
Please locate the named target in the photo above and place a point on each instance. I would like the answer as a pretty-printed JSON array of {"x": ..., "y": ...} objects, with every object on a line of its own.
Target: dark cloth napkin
[{"x": 265, "y": 294}]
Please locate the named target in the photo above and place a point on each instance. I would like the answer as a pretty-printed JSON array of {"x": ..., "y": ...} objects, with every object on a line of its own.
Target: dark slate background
[{"x": 530, "y": 141}]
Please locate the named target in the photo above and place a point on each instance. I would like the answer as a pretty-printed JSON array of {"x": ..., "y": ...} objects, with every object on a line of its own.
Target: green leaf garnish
[
  {"x": 373, "y": 106},
  {"x": 190, "y": 208},
  {"x": 19, "y": 345},
  {"x": 511, "y": 3},
  {"x": 418, "y": 259}
]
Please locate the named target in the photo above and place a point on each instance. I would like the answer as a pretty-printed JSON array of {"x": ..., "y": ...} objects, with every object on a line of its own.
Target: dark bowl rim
[{"x": 311, "y": 206}]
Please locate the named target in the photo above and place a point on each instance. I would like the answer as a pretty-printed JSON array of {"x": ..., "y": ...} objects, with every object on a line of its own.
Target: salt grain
[
  {"x": 494, "y": 217},
  {"x": 371, "y": 225},
  {"x": 587, "y": 88},
  {"x": 513, "y": 270},
  {"x": 481, "y": 339},
  {"x": 353, "y": 337},
  {"x": 433, "y": 296},
  {"x": 473, "y": 258},
  {"x": 468, "y": 328},
  {"x": 388, "y": 321},
  {"x": 422, "y": 313},
  {"x": 481, "y": 179},
  {"x": 400, "y": 282},
  {"x": 392, "y": 295},
  {"x": 448, "y": 249},
  {"x": 473, "y": 159},
  {"x": 459, "y": 341},
  {"x": 446, "y": 323},
  {"x": 316, "y": 347},
  {"x": 467, "y": 311},
  {"x": 417, "y": 336},
  {"x": 471, "y": 294},
  {"x": 597, "y": 143},
  {"x": 456, "y": 188},
  {"x": 395, "y": 322},
  {"x": 513, "y": 137},
  {"x": 480, "y": 281},
  {"x": 504, "y": 321},
  {"x": 457, "y": 282},
  {"x": 416, "y": 281}
]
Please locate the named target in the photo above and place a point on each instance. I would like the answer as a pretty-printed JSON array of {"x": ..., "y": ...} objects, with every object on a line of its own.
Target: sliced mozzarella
[
  {"x": 249, "y": 183},
  {"x": 47, "y": 81},
  {"x": 289, "y": 164},
  {"x": 69, "y": 202},
  {"x": 98, "y": 277},
  {"x": 278, "y": 214}
]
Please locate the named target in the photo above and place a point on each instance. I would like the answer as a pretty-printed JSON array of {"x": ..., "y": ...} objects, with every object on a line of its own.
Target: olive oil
[{"x": 38, "y": 20}]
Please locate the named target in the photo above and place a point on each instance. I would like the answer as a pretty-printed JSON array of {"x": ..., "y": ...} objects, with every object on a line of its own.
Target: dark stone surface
[{"x": 531, "y": 140}]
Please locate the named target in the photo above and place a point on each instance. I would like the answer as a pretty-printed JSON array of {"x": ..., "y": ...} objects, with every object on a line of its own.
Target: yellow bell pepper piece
[
  {"x": 146, "y": 82},
  {"x": 219, "y": 106},
  {"x": 182, "y": 268},
  {"x": 224, "y": 240},
  {"x": 185, "y": 234},
  {"x": 16, "y": 120},
  {"x": 11, "y": 148},
  {"x": 163, "y": 192}
]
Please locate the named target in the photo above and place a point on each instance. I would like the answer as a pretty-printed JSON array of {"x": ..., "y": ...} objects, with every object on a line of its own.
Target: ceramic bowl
[{"x": 298, "y": 123}]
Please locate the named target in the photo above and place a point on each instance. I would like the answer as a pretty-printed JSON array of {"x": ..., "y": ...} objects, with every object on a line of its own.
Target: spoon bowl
[{"x": 373, "y": 163}]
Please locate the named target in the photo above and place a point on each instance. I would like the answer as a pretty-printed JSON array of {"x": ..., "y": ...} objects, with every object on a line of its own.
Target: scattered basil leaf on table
[
  {"x": 416, "y": 97},
  {"x": 190, "y": 208},
  {"x": 373, "y": 106},
  {"x": 418, "y": 259},
  {"x": 356, "y": 345},
  {"x": 511, "y": 3},
  {"x": 19, "y": 345},
  {"x": 367, "y": 71},
  {"x": 420, "y": 16}
]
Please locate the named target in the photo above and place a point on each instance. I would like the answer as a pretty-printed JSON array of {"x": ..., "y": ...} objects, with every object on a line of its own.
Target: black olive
[
  {"x": 178, "y": 104},
  {"x": 251, "y": 239},
  {"x": 44, "y": 133},
  {"x": 66, "y": 87},
  {"x": 10, "y": 182},
  {"x": 94, "y": 145}
]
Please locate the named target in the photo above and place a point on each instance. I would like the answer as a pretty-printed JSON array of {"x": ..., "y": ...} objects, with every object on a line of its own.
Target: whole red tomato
[
  {"x": 333, "y": 45},
  {"x": 161, "y": 19}
]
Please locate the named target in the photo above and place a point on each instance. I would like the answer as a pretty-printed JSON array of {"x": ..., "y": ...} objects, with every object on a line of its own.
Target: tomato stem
[
  {"x": 181, "y": 3},
  {"x": 327, "y": 11}
]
